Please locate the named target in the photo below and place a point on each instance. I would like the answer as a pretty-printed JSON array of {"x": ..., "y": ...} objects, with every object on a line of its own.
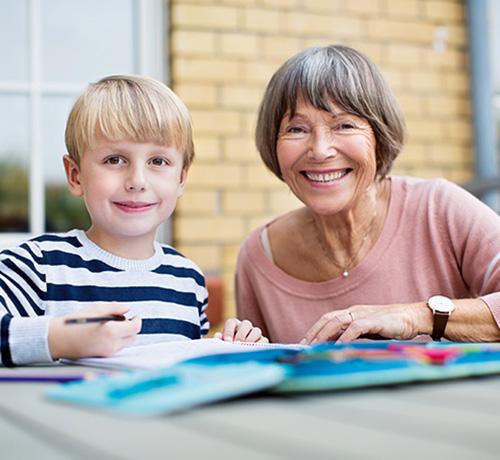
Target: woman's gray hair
[{"x": 320, "y": 76}]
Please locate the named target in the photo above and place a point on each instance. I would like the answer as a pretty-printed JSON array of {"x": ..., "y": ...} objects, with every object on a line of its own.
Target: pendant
[{"x": 345, "y": 273}]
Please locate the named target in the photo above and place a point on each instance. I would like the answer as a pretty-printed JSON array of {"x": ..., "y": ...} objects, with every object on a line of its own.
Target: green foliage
[
  {"x": 63, "y": 211},
  {"x": 13, "y": 197}
]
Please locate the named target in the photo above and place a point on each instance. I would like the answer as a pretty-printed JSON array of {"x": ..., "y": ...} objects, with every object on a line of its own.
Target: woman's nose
[{"x": 322, "y": 145}]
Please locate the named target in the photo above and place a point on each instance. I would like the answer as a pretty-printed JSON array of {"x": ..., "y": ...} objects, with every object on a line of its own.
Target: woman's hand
[
  {"x": 399, "y": 321},
  {"x": 93, "y": 339},
  {"x": 235, "y": 330}
]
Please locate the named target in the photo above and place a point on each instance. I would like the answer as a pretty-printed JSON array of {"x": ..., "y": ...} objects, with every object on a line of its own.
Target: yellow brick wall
[{"x": 222, "y": 54}]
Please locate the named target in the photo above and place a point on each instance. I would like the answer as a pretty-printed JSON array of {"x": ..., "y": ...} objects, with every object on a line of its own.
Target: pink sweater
[{"x": 437, "y": 239}]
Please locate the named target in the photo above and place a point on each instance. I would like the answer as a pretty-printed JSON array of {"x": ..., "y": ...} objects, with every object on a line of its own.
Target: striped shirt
[{"x": 58, "y": 274}]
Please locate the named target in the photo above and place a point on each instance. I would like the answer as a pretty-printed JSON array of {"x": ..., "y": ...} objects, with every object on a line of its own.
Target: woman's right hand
[{"x": 93, "y": 339}]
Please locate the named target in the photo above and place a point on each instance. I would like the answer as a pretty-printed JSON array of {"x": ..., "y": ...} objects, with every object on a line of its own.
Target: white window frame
[{"x": 150, "y": 60}]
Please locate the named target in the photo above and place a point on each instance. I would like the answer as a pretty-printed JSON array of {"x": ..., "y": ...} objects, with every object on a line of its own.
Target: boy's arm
[{"x": 23, "y": 326}]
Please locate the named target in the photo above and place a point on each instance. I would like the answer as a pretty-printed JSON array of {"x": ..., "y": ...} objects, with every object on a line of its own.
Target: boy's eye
[
  {"x": 114, "y": 160},
  {"x": 159, "y": 162}
]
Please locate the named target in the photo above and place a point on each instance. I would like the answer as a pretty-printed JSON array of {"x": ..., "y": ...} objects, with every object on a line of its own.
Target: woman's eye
[
  {"x": 114, "y": 160},
  {"x": 346, "y": 126},
  {"x": 295, "y": 130}
]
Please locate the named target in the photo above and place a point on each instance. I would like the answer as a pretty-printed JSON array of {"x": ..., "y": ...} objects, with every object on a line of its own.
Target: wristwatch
[{"x": 441, "y": 307}]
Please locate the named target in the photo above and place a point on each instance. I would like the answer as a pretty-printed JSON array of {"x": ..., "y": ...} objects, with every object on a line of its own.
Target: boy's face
[{"x": 129, "y": 188}]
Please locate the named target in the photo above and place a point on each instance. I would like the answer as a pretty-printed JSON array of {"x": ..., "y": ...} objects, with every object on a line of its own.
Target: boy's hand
[
  {"x": 235, "y": 330},
  {"x": 93, "y": 339}
]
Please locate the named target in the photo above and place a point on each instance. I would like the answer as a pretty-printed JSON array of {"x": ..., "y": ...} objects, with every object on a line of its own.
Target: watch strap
[{"x": 440, "y": 321}]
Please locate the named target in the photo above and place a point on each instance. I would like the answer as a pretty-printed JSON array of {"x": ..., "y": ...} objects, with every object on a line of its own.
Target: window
[{"x": 50, "y": 50}]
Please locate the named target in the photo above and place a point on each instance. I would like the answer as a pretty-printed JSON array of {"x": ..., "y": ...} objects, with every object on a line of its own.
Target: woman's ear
[{"x": 72, "y": 176}]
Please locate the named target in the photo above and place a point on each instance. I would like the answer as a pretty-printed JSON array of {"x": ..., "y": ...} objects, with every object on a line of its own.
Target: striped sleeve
[{"x": 23, "y": 326}]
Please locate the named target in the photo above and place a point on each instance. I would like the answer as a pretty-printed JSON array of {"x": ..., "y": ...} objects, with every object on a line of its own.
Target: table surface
[{"x": 444, "y": 420}]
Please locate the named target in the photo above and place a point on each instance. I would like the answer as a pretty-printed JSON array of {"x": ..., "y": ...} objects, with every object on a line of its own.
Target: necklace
[{"x": 347, "y": 267}]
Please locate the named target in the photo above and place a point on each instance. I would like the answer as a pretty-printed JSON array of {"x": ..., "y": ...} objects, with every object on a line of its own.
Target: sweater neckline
[
  {"x": 94, "y": 251},
  {"x": 310, "y": 289}
]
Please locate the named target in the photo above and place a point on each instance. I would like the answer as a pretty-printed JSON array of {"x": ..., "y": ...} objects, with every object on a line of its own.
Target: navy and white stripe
[{"x": 57, "y": 274}]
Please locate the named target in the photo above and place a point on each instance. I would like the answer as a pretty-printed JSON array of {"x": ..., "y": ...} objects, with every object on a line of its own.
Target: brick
[
  {"x": 240, "y": 150},
  {"x": 191, "y": 43},
  {"x": 210, "y": 229},
  {"x": 405, "y": 31},
  {"x": 216, "y": 121},
  {"x": 282, "y": 4},
  {"x": 207, "y": 257},
  {"x": 326, "y": 6},
  {"x": 282, "y": 201},
  {"x": 459, "y": 130},
  {"x": 404, "y": 55},
  {"x": 207, "y": 70},
  {"x": 258, "y": 178},
  {"x": 243, "y": 203},
  {"x": 401, "y": 8},
  {"x": 446, "y": 59},
  {"x": 424, "y": 129},
  {"x": 457, "y": 35},
  {"x": 456, "y": 82},
  {"x": 258, "y": 71},
  {"x": 244, "y": 46},
  {"x": 258, "y": 221},
  {"x": 198, "y": 202},
  {"x": 219, "y": 176},
  {"x": 205, "y": 16},
  {"x": 425, "y": 81},
  {"x": 197, "y": 95},
  {"x": 300, "y": 23},
  {"x": 412, "y": 104},
  {"x": 372, "y": 50},
  {"x": 206, "y": 148},
  {"x": 281, "y": 47},
  {"x": 364, "y": 7},
  {"x": 259, "y": 20},
  {"x": 446, "y": 106},
  {"x": 230, "y": 254},
  {"x": 444, "y": 11},
  {"x": 241, "y": 97}
]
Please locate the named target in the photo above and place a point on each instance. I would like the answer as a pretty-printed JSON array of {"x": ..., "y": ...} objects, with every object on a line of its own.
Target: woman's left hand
[
  {"x": 398, "y": 321},
  {"x": 240, "y": 331}
]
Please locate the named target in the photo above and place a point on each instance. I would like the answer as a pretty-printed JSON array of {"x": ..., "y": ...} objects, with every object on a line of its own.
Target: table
[{"x": 446, "y": 420}]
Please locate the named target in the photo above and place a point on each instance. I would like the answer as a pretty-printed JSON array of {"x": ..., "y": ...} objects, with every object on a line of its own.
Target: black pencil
[{"x": 95, "y": 319}]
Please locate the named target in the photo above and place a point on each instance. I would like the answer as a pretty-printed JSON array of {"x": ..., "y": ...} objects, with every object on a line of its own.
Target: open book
[{"x": 165, "y": 354}]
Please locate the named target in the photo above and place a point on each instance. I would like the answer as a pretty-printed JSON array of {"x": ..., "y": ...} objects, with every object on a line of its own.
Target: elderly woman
[{"x": 368, "y": 254}]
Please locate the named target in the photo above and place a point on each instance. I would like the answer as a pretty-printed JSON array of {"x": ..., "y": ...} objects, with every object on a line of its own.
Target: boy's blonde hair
[{"x": 132, "y": 107}]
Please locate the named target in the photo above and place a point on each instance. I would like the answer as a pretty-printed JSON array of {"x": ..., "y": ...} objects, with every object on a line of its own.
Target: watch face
[{"x": 441, "y": 304}]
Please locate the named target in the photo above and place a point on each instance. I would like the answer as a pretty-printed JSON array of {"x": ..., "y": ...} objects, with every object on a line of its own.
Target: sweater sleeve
[
  {"x": 247, "y": 305},
  {"x": 23, "y": 324},
  {"x": 474, "y": 232}
]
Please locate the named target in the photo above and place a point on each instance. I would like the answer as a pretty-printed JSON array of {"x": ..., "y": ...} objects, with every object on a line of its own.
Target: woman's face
[{"x": 327, "y": 159}]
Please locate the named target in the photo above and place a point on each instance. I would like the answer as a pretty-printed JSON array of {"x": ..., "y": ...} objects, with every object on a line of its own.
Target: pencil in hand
[{"x": 95, "y": 319}]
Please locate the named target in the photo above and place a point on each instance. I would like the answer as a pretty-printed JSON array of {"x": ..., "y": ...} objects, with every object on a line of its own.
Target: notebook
[{"x": 165, "y": 354}]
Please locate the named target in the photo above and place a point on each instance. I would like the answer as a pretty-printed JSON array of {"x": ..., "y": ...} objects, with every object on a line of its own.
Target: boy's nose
[{"x": 135, "y": 181}]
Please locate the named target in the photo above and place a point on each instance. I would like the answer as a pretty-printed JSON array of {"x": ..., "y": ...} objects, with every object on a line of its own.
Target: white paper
[{"x": 164, "y": 354}]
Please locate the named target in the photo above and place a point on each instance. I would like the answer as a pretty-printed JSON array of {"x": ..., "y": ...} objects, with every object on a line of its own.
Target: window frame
[{"x": 150, "y": 59}]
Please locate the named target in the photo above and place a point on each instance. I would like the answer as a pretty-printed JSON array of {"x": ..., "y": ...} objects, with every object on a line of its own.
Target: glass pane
[
  {"x": 84, "y": 40},
  {"x": 14, "y": 164},
  {"x": 63, "y": 212},
  {"x": 14, "y": 40}
]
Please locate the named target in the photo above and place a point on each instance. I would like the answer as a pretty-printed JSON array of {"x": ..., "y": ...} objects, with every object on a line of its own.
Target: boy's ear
[
  {"x": 182, "y": 181},
  {"x": 72, "y": 176}
]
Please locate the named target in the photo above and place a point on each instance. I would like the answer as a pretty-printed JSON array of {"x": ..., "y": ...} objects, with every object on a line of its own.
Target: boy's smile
[{"x": 130, "y": 189}]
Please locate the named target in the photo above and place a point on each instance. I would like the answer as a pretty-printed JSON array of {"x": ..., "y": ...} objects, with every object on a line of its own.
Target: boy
[{"x": 129, "y": 147}]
